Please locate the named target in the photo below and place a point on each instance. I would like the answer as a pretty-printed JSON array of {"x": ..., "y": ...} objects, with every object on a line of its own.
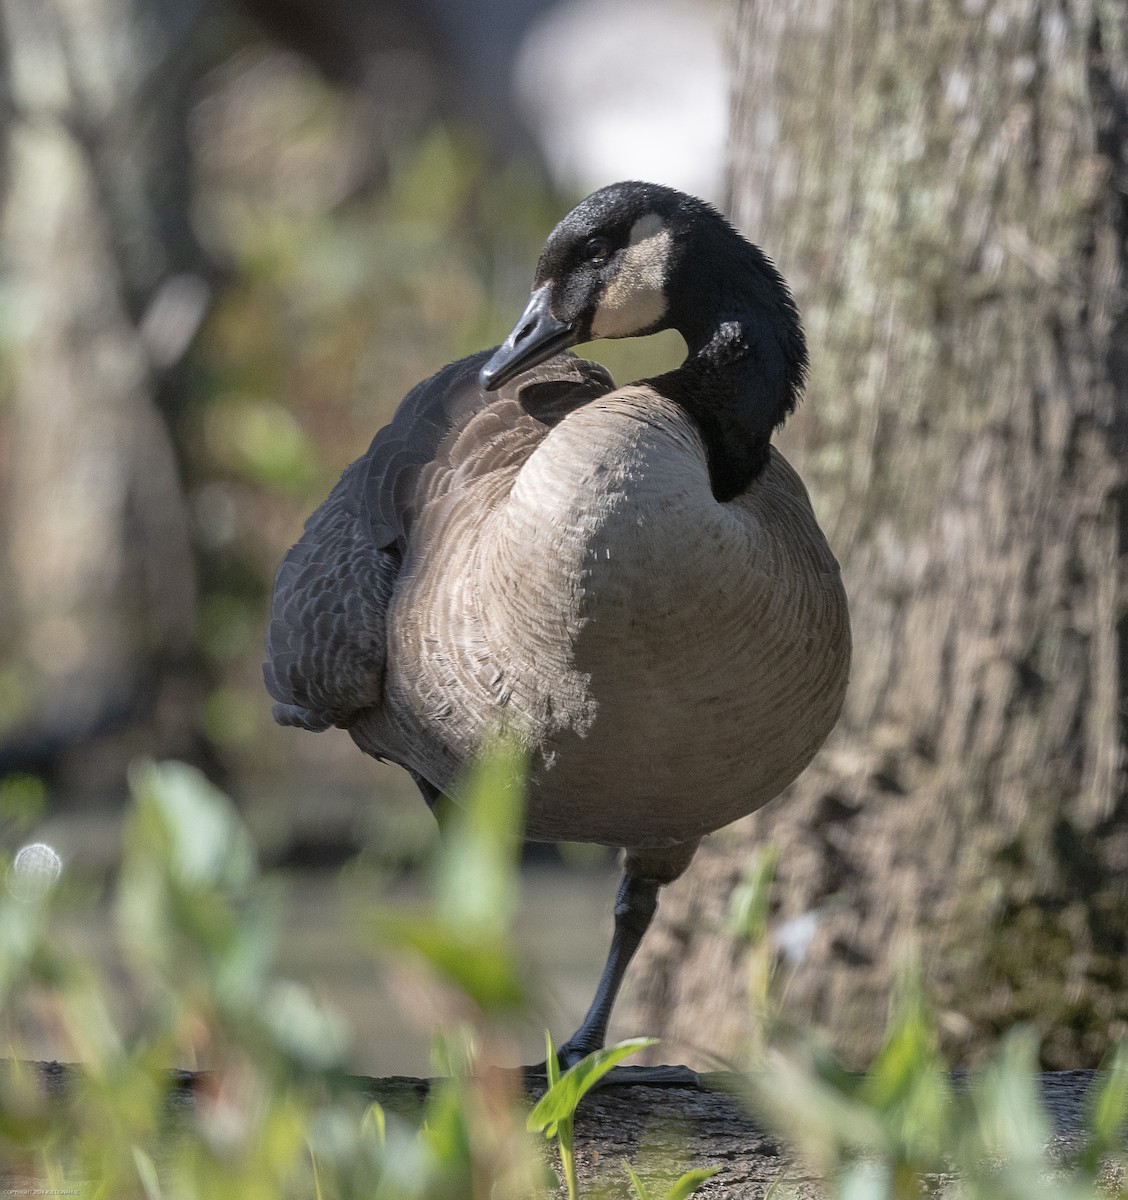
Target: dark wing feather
[{"x": 326, "y": 643}]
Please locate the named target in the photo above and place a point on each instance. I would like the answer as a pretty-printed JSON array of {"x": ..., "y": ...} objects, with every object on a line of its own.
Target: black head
[{"x": 636, "y": 258}]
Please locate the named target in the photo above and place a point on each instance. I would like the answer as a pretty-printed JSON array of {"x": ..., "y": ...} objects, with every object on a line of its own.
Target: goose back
[{"x": 326, "y": 642}]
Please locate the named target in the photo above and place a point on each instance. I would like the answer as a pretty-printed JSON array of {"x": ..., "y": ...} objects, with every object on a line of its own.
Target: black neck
[
  {"x": 747, "y": 355},
  {"x": 740, "y": 381}
]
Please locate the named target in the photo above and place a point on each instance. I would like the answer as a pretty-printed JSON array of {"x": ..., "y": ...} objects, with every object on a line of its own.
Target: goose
[{"x": 631, "y": 580}]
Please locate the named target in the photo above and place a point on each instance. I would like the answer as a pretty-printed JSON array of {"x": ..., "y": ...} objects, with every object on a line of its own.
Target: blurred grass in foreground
[{"x": 277, "y": 1116}]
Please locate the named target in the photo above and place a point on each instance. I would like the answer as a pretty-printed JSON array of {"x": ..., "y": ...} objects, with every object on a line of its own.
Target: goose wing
[{"x": 326, "y": 643}]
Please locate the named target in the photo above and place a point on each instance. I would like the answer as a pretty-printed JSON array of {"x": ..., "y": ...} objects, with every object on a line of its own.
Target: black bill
[{"x": 536, "y": 336}]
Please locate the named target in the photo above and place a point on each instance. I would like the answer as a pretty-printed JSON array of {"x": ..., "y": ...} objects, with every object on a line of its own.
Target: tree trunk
[
  {"x": 946, "y": 188},
  {"x": 99, "y": 588}
]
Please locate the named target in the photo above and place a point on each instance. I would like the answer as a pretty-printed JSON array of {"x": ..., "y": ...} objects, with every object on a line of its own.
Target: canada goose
[{"x": 632, "y": 579}]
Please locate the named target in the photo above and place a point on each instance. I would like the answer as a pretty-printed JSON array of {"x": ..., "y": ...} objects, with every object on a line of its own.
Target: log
[{"x": 663, "y": 1131}]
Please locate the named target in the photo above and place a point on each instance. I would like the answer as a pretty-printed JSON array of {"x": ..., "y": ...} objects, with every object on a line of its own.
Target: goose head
[{"x": 637, "y": 258}]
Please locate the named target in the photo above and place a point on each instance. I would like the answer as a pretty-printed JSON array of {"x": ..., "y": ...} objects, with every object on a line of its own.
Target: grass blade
[
  {"x": 637, "y": 1186},
  {"x": 690, "y": 1182},
  {"x": 566, "y": 1092}
]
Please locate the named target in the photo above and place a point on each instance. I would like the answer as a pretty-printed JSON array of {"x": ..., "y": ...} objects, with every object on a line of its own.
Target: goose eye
[{"x": 597, "y": 250}]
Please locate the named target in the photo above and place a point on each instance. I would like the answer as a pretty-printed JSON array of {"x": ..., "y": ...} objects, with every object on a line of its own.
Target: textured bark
[{"x": 946, "y": 188}]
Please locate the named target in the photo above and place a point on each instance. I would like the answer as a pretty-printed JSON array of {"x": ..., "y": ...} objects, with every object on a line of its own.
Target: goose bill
[{"x": 536, "y": 336}]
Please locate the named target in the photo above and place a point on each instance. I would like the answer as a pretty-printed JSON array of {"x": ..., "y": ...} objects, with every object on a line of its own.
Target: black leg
[
  {"x": 645, "y": 872},
  {"x": 634, "y": 909}
]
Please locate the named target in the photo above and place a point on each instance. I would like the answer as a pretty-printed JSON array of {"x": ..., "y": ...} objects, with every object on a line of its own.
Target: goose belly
[{"x": 709, "y": 692}]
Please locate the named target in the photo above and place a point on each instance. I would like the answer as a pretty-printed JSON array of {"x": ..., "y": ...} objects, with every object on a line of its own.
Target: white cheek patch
[{"x": 635, "y": 298}]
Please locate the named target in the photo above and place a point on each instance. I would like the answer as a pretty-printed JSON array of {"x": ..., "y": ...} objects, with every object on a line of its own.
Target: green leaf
[
  {"x": 1107, "y": 1107},
  {"x": 445, "y": 1129},
  {"x": 690, "y": 1182},
  {"x": 465, "y": 938},
  {"x": 552, "y": 1073},
  {"x": 867, "y": 1180},
  {"x": 206, "y": 842},
  {"x": 317, "y": 1193},
  {"x": 305, "y": 1030},
  {"x": 481, "y": 964},
  {"x": 23, "y": 929},
  {"x": 551, "y": 1062},
  {"x": 905, "y": 1054},
  {"x": 685, "y": 1186},
  {"x": 567, "y": 1157},
  {"x": 454, "y": 1051},
  {"x": 637, "y": 1186},
  {"x": 814, "y": 1102},
  {"x": 751, "y": 898},
  {"x": 560, "y": 1101},
  {"x": 374, "y": 1123},
  {"x": 560, "y": 1129},
  {"x": 477, "y": 884},
  {"x": 147, "y": 1173},
  {"x": 1008, "y": 1102}
]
